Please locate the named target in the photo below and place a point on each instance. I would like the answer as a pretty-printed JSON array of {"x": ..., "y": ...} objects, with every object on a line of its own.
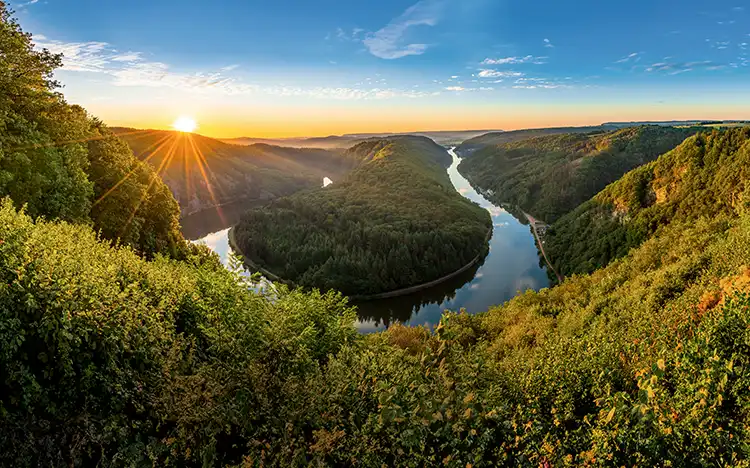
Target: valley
[
  {"x": 510, "y": 265},
  {"x": 562, "y": 296}
]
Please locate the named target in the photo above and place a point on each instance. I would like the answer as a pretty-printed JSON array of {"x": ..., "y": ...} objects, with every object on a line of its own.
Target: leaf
[{"x": 610, "y": 415}]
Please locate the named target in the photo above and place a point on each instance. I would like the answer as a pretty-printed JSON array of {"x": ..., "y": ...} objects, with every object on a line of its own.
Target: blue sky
[{"x": 312, "y": 67}]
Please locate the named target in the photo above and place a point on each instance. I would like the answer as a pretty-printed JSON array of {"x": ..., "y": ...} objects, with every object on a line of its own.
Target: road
[{"x": 534, "y": 223}]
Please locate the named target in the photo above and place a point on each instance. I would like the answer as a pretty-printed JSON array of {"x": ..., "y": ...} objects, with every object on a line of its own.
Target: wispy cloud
[
  {"x": 128, "y": 57},
  {"x": 540, "y": 83},
  {"x": 676, "y": 68},
  {"x": 131, "y": 69},
  {"x": 634, "y": 57},
  {"x": 460, "y": 89},
  {"x": 30, "y": 2},
  {"x": 80, "y": 56},
  {"x": 389, "y": 43},
  {"x": 547, "y": 43},
  {"x": 515, "y": 60},
  {"x": 487, "y": 73}
]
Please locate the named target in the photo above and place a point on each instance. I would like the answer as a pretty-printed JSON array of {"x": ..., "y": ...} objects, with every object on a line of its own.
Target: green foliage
[
  {"x": 110, "y": 358},
  {"x": 394, "y": 222},
  {"x": 549, "y": 176},
  {"x": 705, "y": 176},
  {"x": 59, "y": 162}
]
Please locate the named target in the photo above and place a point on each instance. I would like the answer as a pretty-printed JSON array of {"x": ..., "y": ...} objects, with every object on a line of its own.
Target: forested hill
[
  {"x": 203, "y": 172},
  {"x": 394, "y": 222},
  {"x": 469, "y": 146},
  {"x": 61, "y": 163},
  {"x": 706, "y": 176},
  {"x": 549, "y": 176}
]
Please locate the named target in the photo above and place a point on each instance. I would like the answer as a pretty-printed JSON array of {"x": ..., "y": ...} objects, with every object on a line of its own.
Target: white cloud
[
  {"x": 635, "y": 56},
  {"x": 130, "y": 69},
  {"x": 461, "y": 88},
  {"x": 676, "y": 68},
  {"x": 79, "y": 56},
  {"x": 128, "y": 57},
  {"x": 547, "y": 43},
  {"x": 388, "y": 42},
  {"x": 515, "y": 60},
  {"x": 498, "y": 74}
]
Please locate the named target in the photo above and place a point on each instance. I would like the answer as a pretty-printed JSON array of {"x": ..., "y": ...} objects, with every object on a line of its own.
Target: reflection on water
[
  {"x": 211, "y": 222},
  {"x": 511, "y": 265}
]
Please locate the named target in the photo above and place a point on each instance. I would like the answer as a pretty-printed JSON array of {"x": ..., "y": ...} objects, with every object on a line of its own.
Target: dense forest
[
  {"x": 394, "y": 222},
  {"x": 703, "y": 177},
  {"x": 549, "y": 176},
  {"x": 469, "y": 146},
  {"x": 203, "y": 172},
  {"x": 113, "y": 358}
]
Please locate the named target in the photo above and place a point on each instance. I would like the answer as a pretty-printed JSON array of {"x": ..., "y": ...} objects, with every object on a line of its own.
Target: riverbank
[
  {"x": 374, "y": 297},
  {"x": 534, "y": 223}
]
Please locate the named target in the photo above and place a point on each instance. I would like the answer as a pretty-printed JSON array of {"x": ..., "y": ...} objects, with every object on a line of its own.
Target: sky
[{"x": 286, "y": 68}]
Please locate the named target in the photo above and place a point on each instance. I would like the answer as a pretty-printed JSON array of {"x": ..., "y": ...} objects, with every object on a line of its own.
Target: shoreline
[{"x": 373, "y": 297}]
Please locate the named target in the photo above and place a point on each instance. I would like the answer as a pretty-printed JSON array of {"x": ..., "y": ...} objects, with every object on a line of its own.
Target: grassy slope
[
  {"x": 396, "y": 221},
  {"x": 235, "y": 172},
  {"x": 704, "y": 176},
  {"x": 551, "y": 175}
]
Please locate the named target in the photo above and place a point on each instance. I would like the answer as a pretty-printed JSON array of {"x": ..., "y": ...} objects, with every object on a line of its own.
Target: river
[{"x": 511, "y": 265}]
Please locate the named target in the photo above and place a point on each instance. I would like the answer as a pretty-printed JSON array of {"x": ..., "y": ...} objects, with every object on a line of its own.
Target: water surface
[{"x": 511, "y": 265}]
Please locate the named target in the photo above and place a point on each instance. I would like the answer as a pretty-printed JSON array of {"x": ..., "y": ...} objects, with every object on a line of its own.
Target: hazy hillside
[
  {"x": 204, "y": 172},
  {"x": 551, "y": 175},
  {"x": 394, "y": 222},
  {"x": 329, "y": 142},
  {"x": 703, "y": 177},
  {"x": 349, "y": 140},
  {"x": 471, "y": 145}
]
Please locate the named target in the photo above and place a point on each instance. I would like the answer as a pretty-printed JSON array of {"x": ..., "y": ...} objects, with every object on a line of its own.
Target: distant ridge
[
  {"x": 672, "y": 123},
  {"x": 441, "y": 137}
]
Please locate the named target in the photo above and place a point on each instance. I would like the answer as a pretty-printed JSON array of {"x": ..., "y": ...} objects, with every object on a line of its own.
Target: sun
[{"x": 185, "y": 124}]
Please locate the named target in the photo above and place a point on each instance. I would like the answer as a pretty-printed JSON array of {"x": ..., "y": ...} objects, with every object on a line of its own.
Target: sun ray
[
  {"x": 163, "y": 141},
  {"x": 200, "y": 159},
  {"x": 156, "y": 175}
]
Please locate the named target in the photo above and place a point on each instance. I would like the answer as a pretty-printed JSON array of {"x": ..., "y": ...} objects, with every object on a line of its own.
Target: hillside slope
[
  {"x": 203, "y": 172},
  {"x": 469, "y": 146},
  {"x": 705, "y": 176},
  {"x": 551, "y": 175},
  {"x": 394, "y": 222}
]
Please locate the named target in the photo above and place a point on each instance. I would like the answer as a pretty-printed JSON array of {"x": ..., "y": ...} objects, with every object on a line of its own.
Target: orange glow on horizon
[{"x": 275, "y": 123}]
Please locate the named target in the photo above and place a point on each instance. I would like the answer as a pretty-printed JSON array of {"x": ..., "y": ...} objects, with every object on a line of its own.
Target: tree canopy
[
  {"x": 705, "y": 176},
  {"x": 394, "y": 222},
  {"x": 549, "y": 176},
  {"x": 61, "y": 163}
]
